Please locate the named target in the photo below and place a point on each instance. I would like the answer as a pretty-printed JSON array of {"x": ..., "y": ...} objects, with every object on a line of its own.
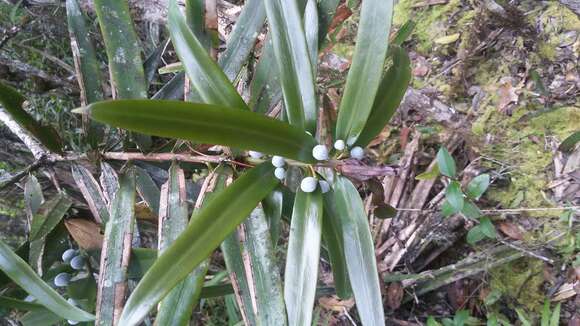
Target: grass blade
[
  {"x": 302, "y": 258},
  {"x": 359, "y": 248},
  {"x": 295, "y": 69},
  {"x": 12, "y": 102},
  {"x": 366, "y": 69},
  {"x": 207, "y": 229},
  {"x": 207, "y": 123},
  {"x": 26, "y": 278},
  {"x": 209, "y": 80},
  {"x": 391, "y": 91},
  {"x": 116, "y": 252}
]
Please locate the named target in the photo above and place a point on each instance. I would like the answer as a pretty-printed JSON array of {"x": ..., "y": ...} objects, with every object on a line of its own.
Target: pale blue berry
[
  {"x": 278, "y": 161},
  {"x": 280, "y": 173},
  {"x": 324, "y": 186},
  {"x": 62, "y": 279},
  {"x": 320, "y": 152},
  {"x": 339, "y": 145},
  {"x": 357, "y": 153},
  {"x": 72, "y": 322},
  {"x": 308, "y": 184},
  {"x": 256, "y": 155},
  {"x": 68, "y": 255},
  {"x": 78, "y": 262}
]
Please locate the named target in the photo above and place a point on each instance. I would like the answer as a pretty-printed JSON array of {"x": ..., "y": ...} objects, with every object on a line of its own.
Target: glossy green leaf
[
  {"x": 311, "y": 33},
  {"x": 123, "y": 49},
  {"x": 273, "y": 204},
  {"x": 209, "y": 80},
  {"x": 446, "y": 163},
  {"x": 332, "y": 235},
  {"x": 478, "y": 186},
  {"x": 43, "y": 317},
  {"x": 141, "y": 260},
  {"x": 147, "y": 189},
  {"x": 176, "y": 308},
  {"x": 366, "y": 69},
  {"x": 48, "y": 216},
  {"x": 359, "y": 248},
  {"x": 207, "y": 229},
  {"x": 302, "y": 259},
  {"x": 475, "y": 235},
  {"x": 470, "y": 210},
  {"x": 27, "y": 279},
  {"x": 92, "y": 193},
  {"x": 12, "y": 102},
  {"x": 115, "y": 254},
  {"x": 207, "y": 123},
  {"x": 7, "y": 302},
  {"x": 389, "y": 95},
  {"x": 448, "y": 210},
  {"x": 487, "y": 227},
  {"x": 152, "y": 62},
  {"x": 86, "y": 63},
  {"x": 173, "y": 89},
  {"x": 429, "y": 175},
  {"x": 570, "y": 142},
  {"x": 454, "y": 195},
  {"x": 292, "y": 57},
  {"x": 265, "y": 89}
]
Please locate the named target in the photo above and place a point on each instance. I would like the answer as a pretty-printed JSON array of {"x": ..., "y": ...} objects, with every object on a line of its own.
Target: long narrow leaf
[
  {"x": 273, "y": 209},
  {"x": 359, "y": 248},
  {"x": 311, "y": 32},
  {"x": 366, "y": 70},
  {"x": 209, "y": 80},
  {"x": 12, "y": 102},
  {"x": 48, "y": 216},
  {"x": 26, "y": 278},
  {"x": 302, "y": 258},
  {"x": 93, "y": 194},
  {"x": 116, "y": 252},
  {"x": 147, "y": 189},
  {"x": 207, "y": 123},
  {"x": 291, "y": 52},
  {"x": 391, "y": 91},
  {"x": 207, "y": 229}
]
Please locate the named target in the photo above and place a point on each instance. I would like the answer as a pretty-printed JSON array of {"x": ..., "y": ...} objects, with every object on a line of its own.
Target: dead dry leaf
[
  {"x": 511, "y": 230},
  {"x": 395, "y": 294},
  {"x": 333, "y": 303},
  {"x": 87, "y": 234},
  {"x": 508, "y": 97}
]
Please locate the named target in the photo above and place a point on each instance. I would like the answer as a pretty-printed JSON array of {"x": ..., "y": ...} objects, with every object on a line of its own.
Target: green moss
[
  {"x": 547, "y": 50},
  {"x": 521, "y": 282}
]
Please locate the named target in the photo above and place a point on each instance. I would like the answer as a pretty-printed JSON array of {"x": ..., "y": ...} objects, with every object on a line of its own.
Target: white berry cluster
[
  {"x": 309, "y": 184},
  {"x": 356, "y": 152},
  {"x": 77, "y": 262}
]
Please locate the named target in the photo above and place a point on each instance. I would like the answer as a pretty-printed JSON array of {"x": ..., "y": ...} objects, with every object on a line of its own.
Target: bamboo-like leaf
[
  {"x": 85, "y": 58},
  {"x": 147, "y": 189},
  {"x": 48, "y": 216},
  {"x": 123, "y": 49},
  {"x": 263, "y": 272},
  {"x": 109, "y": 182},
  {"x": 265, "y": 88},
  {"x": 209, "y": 80},
  {"x": 391, "y": 91},
  {"x": 570, "y": 142},
  {"x": 326, "y": 11},
  {"x": 242, "y": 39},
  {"x": 403, "y": 33},
  {"x": 302, "y": 258},
  {"x": 173, "y": 90},
  {"x": 207, "y": 229},
  {"x": 311, "y": 33},
  {"x": 92, "y": 193},
  {"x": 12, "y": 102},
  {"x": 291, "y": 52},
  {"x": 40, "y": 318},
  {"x": 176, "y": 307},
  {"x": 273, "y": 209},
  {"x": 207, "y": 123},
  {"x": 7, "y": 302},
  {"x": 33, "y": 197},
  {"x": 359, "y": 248},
  {"x": 26, "y": 278},
  {"x": 152, "y": 62},
  {"x": 116, "y": 252},
  {"x": 366, "y": 69}
]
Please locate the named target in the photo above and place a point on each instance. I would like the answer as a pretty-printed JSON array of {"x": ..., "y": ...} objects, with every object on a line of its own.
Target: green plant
[{"x": 242, "y": 190}]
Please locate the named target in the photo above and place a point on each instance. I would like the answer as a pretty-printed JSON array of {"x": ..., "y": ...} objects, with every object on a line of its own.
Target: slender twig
[
  {"x": 15, "y": 178},
  {"x": 498, "y": 211}
]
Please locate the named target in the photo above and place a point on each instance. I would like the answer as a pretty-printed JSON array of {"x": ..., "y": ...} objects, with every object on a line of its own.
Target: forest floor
[{"x": 498, "y": 83}]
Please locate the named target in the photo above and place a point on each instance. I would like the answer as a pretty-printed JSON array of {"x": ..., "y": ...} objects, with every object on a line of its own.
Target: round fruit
[
  {"x": 278, "y": 161},
  {"x": 320, "y": 152},
  {"x": 78, "y": 262},
  {"x": 62, "y": 279},
  {"x": 255, "y": 155},
  {"x": 339, "y": 145},
  {"x": 308, "y": 184},
  {"x": 68, "y": 255},
  {"x": 357, "y": 153},
  {"x": 280, "y": 173}
]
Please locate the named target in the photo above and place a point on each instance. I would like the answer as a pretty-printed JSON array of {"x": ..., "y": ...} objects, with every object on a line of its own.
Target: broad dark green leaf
[
  {"x": 42, "y": 317},
  {"x": 366, "y": 69},
  {"x": 141, "y": 260},
  {"x": 116, "y": 251},
  {"x": 446, "y": 163},
  {"x": 214, "y": 291},
  {"x": 389, "y": 95},
  {"x": 207, "y": 229},
  {"x": 332, "y": 235},
  {"x": 265, "y": 89},
  {"x": 359, "y": 248},
  {"x": 123, "y": 49},
  {"x": 570, "y": 142},
  {"x": 173, "y": 89},
  {"x": 454, "y": 195},
  {"x": 207, "y": 123},
  {"x": 478, "y": 186},
  {"x": 209, "y": 80},
  {"x": 27, "y": 279},
  {"x": 302, "y": 258},
  {"x": 92, "y": 193},
  {"x": 12, "y": 102},
  {"x": 448, "y": 210},
  {"x": 147, "y": 189},
  {"x": 273, "y": 204},
  {"x": 292, "y": 57}
]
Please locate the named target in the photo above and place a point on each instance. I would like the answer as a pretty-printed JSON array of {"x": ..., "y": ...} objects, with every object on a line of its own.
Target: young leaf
[
  {"x": 429, "y": 175},
  {"x": 470, "y": 210},
  {"x": 366, "y": 69},
  {"x": 448, "y": 210},
  {"x": 116, "y": 252},
  {"x": 209, "y": 80},
  {"x": 454, "y": 195},
  {"x": 291, "y": 53},
  {"x": 12, "y": 102},
  {"x": 27, "y": 279},
  {"x": 389, "y": 95},
  {"x": 123, "y": 49},
  {"x": 487, "y": 227},
  {"x": 478, "y": 186},
  {"x": 207, "y": 123},
  {"x": 446, "y": 163},
  {"x": 206, "y": 230},
  {"x": 475, "y": 235},
  {"x": 302, "y": 258},
  {"x": 546, "y": 314},
  {"x": 359, "y": 248}
]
